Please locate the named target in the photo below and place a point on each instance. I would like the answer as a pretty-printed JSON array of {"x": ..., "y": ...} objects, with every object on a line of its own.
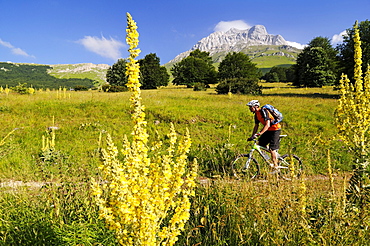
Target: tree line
[
  {"x": 235, "y": 74},
  {"x": 321, "y": 64}
]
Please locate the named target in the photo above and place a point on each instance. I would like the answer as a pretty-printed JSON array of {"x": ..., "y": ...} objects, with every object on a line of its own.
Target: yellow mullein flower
[
  {"x": 137, "y": 193},
  {"x": 353, "y": 113},
  {"x": 353, "y": 119}
]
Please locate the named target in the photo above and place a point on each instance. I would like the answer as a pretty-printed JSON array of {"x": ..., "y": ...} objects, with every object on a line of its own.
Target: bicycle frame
[
  {"x": 247, "y": 165},
  {"x": 260, "y": 150},
  {"x": 264, "y": 155}
]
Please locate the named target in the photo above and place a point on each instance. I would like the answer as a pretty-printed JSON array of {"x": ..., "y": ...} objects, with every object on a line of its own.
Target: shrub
[
  {"x": 114, "y": 88},
  {"x": 199, "y": 87},
  {"x": 21, "y": 88},
  {"x": 239, "y": 86},
  {"x": 80, "y": 88}
]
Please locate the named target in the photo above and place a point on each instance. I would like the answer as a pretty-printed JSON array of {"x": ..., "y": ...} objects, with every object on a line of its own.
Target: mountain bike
[{"x": 249, "y": 166}]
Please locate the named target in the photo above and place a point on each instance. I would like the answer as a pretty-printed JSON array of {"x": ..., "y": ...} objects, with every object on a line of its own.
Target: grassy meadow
[{"x": 45, "y": 197}]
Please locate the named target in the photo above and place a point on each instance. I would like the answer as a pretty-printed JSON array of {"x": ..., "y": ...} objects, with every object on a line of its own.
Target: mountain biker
[{"x": 269, "y": 135}]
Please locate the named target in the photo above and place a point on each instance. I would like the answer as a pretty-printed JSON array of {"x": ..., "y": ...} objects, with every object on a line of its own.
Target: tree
[
  {"x": 276, "y": 74},
  {"x": 238, "y": 75},
  {"x": 290, "y": 73},
  {"x": 152, "y": 74},
  {"x": 346, "y": 49},
  {"x": 196, "y": 68},
  {"x": 239, "y": 86},
  {"x": 116, "y": 74},
  {"x": 316, "y": 64},
  {"x": 238, "y": 65}
]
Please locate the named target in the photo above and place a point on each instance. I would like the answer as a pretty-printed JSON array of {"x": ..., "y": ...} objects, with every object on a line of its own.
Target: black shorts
[{"x": 270, "y": 138}]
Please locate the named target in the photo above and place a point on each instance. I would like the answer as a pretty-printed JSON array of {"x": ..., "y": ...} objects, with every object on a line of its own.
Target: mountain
[
  {"x": 255, "y": 42},
  {"x": 91, "y": 71}
]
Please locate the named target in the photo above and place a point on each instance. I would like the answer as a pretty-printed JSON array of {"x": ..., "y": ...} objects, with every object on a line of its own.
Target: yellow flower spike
[
  {"x": 138, "y": 192},
  {"x": 353, "y": 112}
]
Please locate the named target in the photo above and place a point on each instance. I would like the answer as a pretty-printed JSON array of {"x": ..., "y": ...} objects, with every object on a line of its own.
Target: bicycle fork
[{"x": 250, "y": 156}]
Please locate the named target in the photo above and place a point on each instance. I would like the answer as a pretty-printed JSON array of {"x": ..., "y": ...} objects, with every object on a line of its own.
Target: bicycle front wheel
[
  {"x": 291, "y": 166},
  {"x": 245, "y": 167}
]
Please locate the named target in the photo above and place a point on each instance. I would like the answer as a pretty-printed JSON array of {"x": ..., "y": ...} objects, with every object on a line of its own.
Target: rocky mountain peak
[
  {"x": 234, "y": 40},
  {"x": 257, "y": 30}
]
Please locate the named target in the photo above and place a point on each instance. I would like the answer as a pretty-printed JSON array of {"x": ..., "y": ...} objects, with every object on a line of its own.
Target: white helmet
[{"x": 253, "y": 103}]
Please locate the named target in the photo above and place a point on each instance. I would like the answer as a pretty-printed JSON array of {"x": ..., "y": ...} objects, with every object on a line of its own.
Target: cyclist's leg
[
  {"x": 264, "y": 139},
  {"x": 274, "y": 145}
]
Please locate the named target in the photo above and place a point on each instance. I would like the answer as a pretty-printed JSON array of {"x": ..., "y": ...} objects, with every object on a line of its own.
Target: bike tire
[
  {"x": 292, "y": 166},
  {"x": 244, "y": 167}
]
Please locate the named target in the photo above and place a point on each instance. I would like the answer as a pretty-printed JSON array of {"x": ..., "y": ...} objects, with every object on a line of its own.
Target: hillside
[
  {"x": 51, "y": 76},
  {"x": 95, "y": 72}
]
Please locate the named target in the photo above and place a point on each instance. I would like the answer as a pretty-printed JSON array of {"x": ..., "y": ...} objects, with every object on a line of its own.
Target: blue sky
[{"x": 93, "y": 31}]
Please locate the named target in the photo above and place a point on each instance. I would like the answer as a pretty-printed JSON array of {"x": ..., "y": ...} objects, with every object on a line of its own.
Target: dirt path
[{"x": 13, "y": 184}]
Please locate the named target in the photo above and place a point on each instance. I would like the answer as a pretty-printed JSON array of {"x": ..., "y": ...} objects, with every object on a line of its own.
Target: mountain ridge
[{"x": 236, "y": 40}]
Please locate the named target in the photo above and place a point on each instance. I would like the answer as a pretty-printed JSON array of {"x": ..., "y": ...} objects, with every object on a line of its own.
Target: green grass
[
  {"x": 214, "y": 121},
  {"x": 264, "y": 62},
  {"x": 227, "y": 212}
]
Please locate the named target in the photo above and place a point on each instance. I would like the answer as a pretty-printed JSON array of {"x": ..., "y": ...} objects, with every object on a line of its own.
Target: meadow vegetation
[{"x": 46, "y": 199}]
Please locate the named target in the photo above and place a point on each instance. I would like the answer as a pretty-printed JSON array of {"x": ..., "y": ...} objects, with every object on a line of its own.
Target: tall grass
[
  {"x": 260, "y": 213},
  {"x": 224, "y": 213}
]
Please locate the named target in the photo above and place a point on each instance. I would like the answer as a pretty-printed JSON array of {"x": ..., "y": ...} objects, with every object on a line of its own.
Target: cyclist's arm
[
  {"x": 255, "y": 129},
  {"x": 265, "y": 127}
]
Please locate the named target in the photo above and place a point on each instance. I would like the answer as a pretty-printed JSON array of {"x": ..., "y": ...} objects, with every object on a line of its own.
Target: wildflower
[
  {"x": 353, "y": 119},
  {"x": 137, "y": 192}
]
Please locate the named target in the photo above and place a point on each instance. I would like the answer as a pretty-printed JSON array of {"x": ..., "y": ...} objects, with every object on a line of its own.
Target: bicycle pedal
[{"x": 281, "y": 167}]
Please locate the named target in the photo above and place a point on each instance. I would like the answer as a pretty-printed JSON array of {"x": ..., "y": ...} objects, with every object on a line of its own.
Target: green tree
[
  {"x": 346, "y": 49},
  {"x": 238, "y": 65},
  {"x": 239, "y": 86},
  {"x": 277, "y": 74},
  {"x": 116, "y": 74},
  {"x": 316, "y": 64},
  {"x": 238, "y": 75},
  {"x": 196, "y": 68},
  {"x": 152, "y": 74},
  {"x": 290, "y": 73}
]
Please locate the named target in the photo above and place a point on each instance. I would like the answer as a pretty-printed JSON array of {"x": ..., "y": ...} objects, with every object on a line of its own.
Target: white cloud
[
  {"x": 16, "y": 51},
  {"x": 6, "y": 44},
  {"x": 338, "y": 38},
  {"x": 296, "y": 45},
  {"x": 109, "y": 48},
  {"x": 227, "y": 25}
]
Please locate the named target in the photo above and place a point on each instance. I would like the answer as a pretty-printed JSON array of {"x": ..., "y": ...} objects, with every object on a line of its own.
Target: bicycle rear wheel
[
  {"x": 291, "y": 166},
  {"x": 244, "y": 167}
]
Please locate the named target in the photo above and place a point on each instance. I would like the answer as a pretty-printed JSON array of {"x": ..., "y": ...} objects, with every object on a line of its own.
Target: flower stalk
[
  {"x": 353, "y": 122},
  {"x": 144, "y": 196}
]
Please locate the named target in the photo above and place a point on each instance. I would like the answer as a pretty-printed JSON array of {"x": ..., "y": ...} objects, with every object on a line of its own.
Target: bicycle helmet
[{"x": 253, "y": 103}]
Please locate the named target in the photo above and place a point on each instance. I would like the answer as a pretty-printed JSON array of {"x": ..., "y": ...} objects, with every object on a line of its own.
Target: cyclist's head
[{"x": 253, "y": 103}]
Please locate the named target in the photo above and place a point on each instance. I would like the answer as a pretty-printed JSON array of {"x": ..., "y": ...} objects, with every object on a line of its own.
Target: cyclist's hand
[{"x": 253, "y": 137}]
